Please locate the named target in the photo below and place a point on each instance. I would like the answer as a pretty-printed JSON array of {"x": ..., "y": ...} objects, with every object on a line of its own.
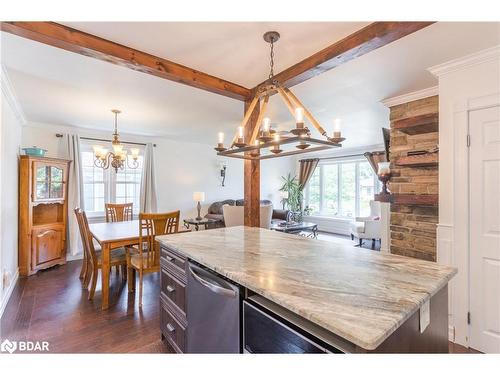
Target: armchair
[
  {"x": 368, "y": 227},
  {"x": 234, "y": 215}
]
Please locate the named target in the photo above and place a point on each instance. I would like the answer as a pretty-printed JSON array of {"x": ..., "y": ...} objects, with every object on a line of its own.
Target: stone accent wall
[{"x": 413, "y": 227}]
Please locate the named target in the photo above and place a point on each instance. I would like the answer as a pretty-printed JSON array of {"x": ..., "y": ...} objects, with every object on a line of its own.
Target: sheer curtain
[
  {"x": 75, "y": 191},
  {"x": 148, "y": 183}
]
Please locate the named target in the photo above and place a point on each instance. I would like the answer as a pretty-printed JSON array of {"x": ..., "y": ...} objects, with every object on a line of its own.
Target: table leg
[{"x": 105, "y": 275}]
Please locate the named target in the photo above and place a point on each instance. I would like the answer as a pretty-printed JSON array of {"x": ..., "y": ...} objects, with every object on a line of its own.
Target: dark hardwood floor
[{"x": 52, "y": 306}]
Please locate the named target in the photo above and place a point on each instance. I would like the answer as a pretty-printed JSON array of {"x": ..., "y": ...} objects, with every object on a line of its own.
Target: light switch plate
[{"x": 425, "y": 315}]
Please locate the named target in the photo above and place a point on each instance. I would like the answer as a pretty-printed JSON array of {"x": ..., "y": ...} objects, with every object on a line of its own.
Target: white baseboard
[
  {"x": 8, "y": 293},
  {"x": 331, "y": 225}
]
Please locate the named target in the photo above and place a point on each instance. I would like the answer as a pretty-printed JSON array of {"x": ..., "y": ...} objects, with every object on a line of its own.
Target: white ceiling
[
  {"x": 234, "y": 51},
  {"x": 59, "y": 87}
]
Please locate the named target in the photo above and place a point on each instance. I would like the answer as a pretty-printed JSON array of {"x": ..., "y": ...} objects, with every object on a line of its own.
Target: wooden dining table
[{"x": 113, "y": 236}]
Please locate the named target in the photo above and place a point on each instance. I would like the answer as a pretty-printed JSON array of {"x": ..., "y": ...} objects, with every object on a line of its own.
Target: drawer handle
[
  {"x": 170, "y": 288},
  {"x": 170, "y": 259},
  {"x": 170, "y": 328}
]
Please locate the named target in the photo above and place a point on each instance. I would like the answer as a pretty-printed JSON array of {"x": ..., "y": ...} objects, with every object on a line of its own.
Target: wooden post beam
[
  {"x": 252, "y": 175},
  {"x": 73, "y": 40},
  {"x": 369, "y": 38}
]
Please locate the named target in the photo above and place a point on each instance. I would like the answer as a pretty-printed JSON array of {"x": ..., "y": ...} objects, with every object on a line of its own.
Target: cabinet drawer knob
[
  {"x": 170, "y": 328},
  {"x": 170, "y": 288}
]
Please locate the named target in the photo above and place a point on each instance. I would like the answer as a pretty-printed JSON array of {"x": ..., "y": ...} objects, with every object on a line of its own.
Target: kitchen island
[{"x": 350, "y": 299}]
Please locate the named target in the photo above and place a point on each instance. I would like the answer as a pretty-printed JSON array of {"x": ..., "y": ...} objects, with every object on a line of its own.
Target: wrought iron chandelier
[
  {"x": 264, "y": 137},
  {"x": 117, "y": 158}
]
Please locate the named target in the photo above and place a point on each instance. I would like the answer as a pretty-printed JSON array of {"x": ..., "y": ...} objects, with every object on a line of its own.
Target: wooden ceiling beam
[
  {"x": 369, "y": 38},
  {"x": 73, "y": 40}
]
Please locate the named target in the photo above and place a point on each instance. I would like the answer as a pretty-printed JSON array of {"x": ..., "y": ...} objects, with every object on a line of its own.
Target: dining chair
[
  {"x": 94, "y": 257},
  {"x": 119, "y": 212},
  {"x": 85, "y": 272},
  {"x": 145, "y": 258}
]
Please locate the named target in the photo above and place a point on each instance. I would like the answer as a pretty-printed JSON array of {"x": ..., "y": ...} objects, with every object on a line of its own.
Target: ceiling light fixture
[
  {"x": 264, "y": 137},
  {"x": 117, "y": 158}
]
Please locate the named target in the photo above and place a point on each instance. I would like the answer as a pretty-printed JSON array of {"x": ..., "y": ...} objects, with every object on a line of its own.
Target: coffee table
[
  {"x": 197, "y": 223},
  {"x": 296, "y": 228}
]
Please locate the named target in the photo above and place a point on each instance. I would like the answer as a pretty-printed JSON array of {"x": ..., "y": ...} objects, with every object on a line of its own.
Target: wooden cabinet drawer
[
  {"x": 172, "y": 330},
  {"x": 173, "y": 289}
]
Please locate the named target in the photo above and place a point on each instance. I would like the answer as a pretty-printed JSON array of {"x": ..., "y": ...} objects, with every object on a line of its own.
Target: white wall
[
  {"x": 181, "y": 168},
  {"x": 465, "y": 84},
  {"x": 10, "y": 139},
  {"x": 271, "y": 172}
]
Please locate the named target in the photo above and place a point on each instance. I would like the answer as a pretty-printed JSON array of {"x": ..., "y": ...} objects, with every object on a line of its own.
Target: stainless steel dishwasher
[{"x": 213, "y": 313}]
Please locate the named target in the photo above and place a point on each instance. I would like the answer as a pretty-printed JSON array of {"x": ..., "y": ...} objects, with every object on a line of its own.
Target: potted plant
[{"x": 294, "y": 201}]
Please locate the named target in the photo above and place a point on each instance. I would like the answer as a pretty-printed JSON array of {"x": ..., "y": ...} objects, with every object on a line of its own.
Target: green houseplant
[{"x": 294, "y": 200}]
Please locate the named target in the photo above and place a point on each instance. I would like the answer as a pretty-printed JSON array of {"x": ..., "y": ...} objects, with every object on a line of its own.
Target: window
[
  {"x": 103, "y": 186},
  {"x": 341, "y": 189}
]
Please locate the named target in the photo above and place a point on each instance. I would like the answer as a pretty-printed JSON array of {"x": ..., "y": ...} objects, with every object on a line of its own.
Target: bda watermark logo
[
  {"x": 8, "y": 346},
  {"x": 24, "y": 346}
]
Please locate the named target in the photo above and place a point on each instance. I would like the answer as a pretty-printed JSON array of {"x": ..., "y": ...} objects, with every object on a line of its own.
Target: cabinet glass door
[
  {"x": 48, "y": 182},
  {"x": 42, "y": 175},
  {"x": 56, "y": 183}
]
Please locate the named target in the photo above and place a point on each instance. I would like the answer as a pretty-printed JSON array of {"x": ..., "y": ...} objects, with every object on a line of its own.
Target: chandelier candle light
[
  {"x": 266, "y": 138},
  {"x": 117, "y": 158}
]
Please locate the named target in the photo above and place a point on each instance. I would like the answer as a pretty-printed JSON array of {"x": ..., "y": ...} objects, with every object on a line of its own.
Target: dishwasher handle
[{"x": 227, "y": 292}]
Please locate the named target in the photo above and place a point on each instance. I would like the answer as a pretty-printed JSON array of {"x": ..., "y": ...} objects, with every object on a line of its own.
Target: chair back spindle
[
  {"x": 86, "y": 235},
  {"x": 119, "y": 212},
  {"x": 152, "y": 225}
]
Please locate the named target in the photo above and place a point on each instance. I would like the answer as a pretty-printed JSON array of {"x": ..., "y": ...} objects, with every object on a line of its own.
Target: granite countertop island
[{"x": 361, "y": 295}]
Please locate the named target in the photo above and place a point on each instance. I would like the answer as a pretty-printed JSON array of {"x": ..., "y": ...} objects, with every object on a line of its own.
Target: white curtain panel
[
  {"x": 75, "y": 192},
  {"x": 148, "y": 182}
]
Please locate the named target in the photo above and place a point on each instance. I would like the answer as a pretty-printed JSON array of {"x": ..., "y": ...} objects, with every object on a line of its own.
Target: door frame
[
  {"x": 469, "y": 112},
  {"x": 454, "y": 240}
]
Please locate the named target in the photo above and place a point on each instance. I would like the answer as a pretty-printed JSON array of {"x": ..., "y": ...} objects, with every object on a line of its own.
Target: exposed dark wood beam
[
  {"x": 251, "y": 168},
  {"x": 90, "y": 45},
  {"x": 369, "y": 38}
]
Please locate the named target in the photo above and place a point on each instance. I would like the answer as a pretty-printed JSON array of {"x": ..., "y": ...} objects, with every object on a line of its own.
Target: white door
[{"x": 484, "y": 243}]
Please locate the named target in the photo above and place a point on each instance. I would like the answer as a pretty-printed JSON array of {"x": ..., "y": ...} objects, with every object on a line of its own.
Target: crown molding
[
  {"x": 467, "y": 61},
  {"x": 8, "y": 91},
  {"x": 411, "y": 96}
]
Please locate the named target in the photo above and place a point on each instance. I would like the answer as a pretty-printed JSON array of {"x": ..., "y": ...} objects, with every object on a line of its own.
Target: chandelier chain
[{"x": 271, "y": 62}]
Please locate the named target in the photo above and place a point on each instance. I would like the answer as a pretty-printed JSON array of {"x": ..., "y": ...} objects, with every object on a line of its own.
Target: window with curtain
[
  {"x": 107, "y": 186},
  {"x": 343, "y": 188}
]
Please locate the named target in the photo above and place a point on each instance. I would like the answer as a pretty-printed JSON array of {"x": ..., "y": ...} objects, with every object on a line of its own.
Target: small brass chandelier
[
  {"x": 263, "y": 137},
  {"x": 117, "y": 158}
]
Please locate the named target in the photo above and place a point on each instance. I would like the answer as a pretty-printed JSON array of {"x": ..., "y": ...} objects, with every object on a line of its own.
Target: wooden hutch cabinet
[{"x": 43, "y": 207}]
